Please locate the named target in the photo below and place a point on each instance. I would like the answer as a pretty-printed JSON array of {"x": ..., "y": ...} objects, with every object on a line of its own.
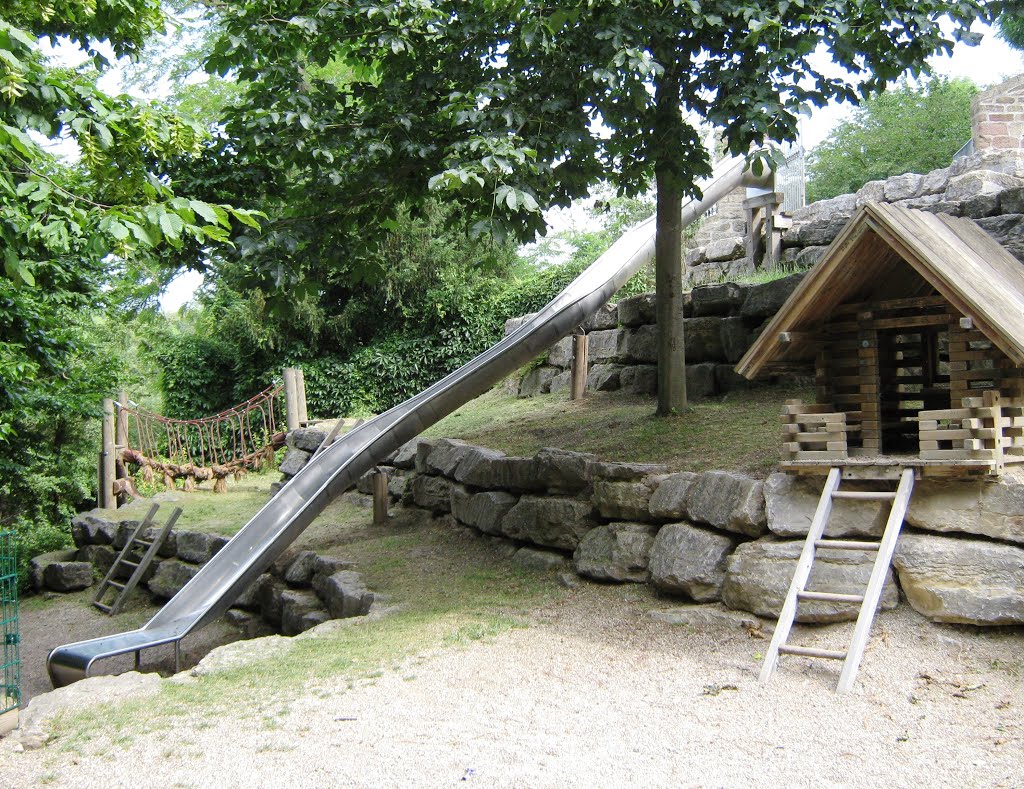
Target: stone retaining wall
[
  {"x": 300, "y": 591},
  {"x": 722, "y": 536}
]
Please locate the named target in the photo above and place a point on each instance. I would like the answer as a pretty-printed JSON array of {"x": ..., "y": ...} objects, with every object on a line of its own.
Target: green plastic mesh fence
[{"x": 10, "y": 693}]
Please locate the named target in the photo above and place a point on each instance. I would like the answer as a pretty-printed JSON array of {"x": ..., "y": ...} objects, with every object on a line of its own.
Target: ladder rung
[
  {"x": 864, "y": 495},
  {"x": 144, "y": 543},
  {"x": 847, "y": 545},
  {"x": 102, "y": 607},
  {"x": 830, "y": 654},
  {"x": 115, "y": 583},
  {"x": 831, "y": 597},
  {"x": 130, "y": 564}
]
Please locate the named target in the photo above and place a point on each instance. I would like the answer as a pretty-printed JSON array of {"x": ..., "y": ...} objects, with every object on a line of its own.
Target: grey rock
[
  {"x": 935, "y": 182},
  {"x": 405, "y": 458},
  {"x": 294, "y": 461},
  {"x": 790, "y": 503},
  {"x": 690, "y": 560},
  {"x": 432, "y": 493},
  {"x": 763, "y": 301},
  {"x": 553, "y": 522},
  {"x": 639, "y": 345},
  {"x": 728, "y": 501},
  {"x": 718, "y": 299},
  {"x": 490, "y": 469},
  {"x": 1011, "y": 201},
  {"x": 329, "y": 565},
  {"x": 700, "y": 380},
  {"x": 980, "y": 206},
  {"x": 365, "y": 482},
  {"x": 736, "y": 338},
  {"x": 980, "y": 182},
  {"x": 271, "y": 605},
  {"x": 728, "y": 380},
  {"x": 624, "y": 472},
  {"x": 514, "y": 323},
  {"x": 639, "y": 310},
  {"x": 476, "y": 466},
  {"x": 903, "y": 187},
  {"x": 604, "y": 377},
  {"x": 443, "y": 457},
  {"x": 569, "y": 580},
  {"x": 808, "y": 256},
  {"x": 603, "y": 346},
  {"x": 606, "y": 317},
  {"x": 873, "y": 191},
  {"x": 560, "y": 354},
  {"x": 988, "y": 509},
  {"x": 170, "y": 577},
  {"x": 296, "y": 605},
  {"x": 300, "y": 571},
  {"x": 822, "y": 232},
  {"x": 759, "y": 573},
  {"x": 707, "y": 615},
  {"x": 921, "y": 203},
  {"x": 537, "y": 381},
  {"x": 669, "y": 499},
  {"x": 641, "y": 379},
  {"x": 975, "y": 582},
  {"x": 483, "y": 511},
  {"x": 944, "y": 207},
  {"x": 1008, "y": 230},
  {"x": 696, "y": 257},
  {"x": 197, "y": 547},
  {"x": 703, "y": 338},
  {"x": 343, "y": 593},
  {"x": 561, "y": 382},
  {"x": 250, "y": 624},
  {"x": 562, "y": 471},
  {"x": 38, "y": 564},
  {"x": 99, "y": 556},
  {"x": 90, "y": 529},
  {"x": 307, "y": 439},
  {"x": 725, "y": 249},
  {"x": 616, "y": 552},
  {"x": 626, "y": 500},
  {"x": 533, "y": 559},
  {"x": 67, "y": 576},
  {"x": 251, "y": 596}
]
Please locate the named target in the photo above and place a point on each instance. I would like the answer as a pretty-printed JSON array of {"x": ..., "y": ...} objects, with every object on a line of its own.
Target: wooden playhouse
[{"x": 913, "y": 326}]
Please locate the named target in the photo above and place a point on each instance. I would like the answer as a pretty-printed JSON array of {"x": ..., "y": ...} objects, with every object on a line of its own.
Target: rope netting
[{"x": 238, "y": 439}]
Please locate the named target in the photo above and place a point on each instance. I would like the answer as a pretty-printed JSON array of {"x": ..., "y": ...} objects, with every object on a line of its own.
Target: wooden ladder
[
  {"x": 798, "y": 591},
  {"x": 134, "y": 543}
]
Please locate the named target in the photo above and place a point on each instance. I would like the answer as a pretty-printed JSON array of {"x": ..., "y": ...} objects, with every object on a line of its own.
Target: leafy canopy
[{"x": 908, "y": 129}]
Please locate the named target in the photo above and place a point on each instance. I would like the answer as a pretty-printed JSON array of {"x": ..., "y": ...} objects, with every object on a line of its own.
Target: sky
[{"x": 989, "y": 63}]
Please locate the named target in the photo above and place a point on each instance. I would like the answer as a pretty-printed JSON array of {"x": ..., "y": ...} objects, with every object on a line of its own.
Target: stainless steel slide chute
[{"x": 255, "y": 547}]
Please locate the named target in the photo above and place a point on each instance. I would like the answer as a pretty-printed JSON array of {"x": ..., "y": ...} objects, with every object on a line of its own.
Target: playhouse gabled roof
[{"x": 875, "y": 257}]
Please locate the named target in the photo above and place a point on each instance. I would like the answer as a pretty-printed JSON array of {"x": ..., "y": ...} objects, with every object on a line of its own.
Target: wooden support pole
[
  {"x": 580, "y": 352},
  {"x": 300, "y": 390},
  {"x": 380, "y": 497},
  {"x": 106, "y": 497},
  {"x": 121, "y": 442},
  {"x": 291, "y": 399}
]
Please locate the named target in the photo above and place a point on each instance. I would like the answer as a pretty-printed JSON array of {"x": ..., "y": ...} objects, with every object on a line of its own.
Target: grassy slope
[{"x": 738, "y": 431}]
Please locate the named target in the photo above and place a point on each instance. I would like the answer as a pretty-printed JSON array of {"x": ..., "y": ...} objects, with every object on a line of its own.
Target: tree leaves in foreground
[
  {"x": 508, "y": 108},
  {"x": 908, "y": 129}
]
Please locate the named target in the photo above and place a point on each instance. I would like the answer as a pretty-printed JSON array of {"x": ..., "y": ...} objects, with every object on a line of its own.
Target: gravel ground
[{"x": 596, "y": 693}]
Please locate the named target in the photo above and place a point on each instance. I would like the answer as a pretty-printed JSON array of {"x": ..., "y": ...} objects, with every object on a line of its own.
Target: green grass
[{"x": 738, "y": 431}]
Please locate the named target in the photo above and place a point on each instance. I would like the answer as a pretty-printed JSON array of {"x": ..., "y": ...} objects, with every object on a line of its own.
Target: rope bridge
[{"x": 241, "y": 438}]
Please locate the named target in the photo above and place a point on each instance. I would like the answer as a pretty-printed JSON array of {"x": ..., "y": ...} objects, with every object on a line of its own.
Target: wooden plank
[{"x": 806, "y": 408}]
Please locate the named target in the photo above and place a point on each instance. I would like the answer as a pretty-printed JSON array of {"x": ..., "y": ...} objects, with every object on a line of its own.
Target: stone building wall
[{"x": 997, "y": 117}]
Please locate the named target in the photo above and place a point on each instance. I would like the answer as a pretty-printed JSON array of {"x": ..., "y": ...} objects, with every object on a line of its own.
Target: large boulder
[
  {"x": 758, "y": 575},
  {"x": 603, "y": 346},
  {"x": 728, "y": 501},
  {"x": 170, "y": 577},
  {"x": 432, "y": 493},
  {"x": 624, "y": 499},
  {"x": 790, "y": 503},
  {"x": 736, "y": 338},
  {"x": 605, "y": 317},
  {"x": 616, "y": 552},
  {"x": 405, "y": 456},
  {"x": 718, "y": 299},
  {"x": 88, "y": 528},
  {"x": 604, "y": 377},
  {"x": 639, "y": 345},
  {"x": 442, "y": 457},
  {"x": 483, "y": 511},
  {"x": 67, "y": 576},
  {"x": 308, "y": 439},
  {"x": 703, "y": 340},
  {"x": 538, "y": 381},
  {"x": 980, "y": 182},
  {"x": 562, "y": 471},
  {"x": 125, "y": 530},
  {"x": 989, "y": 509},
  {"x": 560, "y": 354},
  {"x": 199, "y": 548},
  {"x": 554, "y": 522},
  {"x": 343, "y": 593},
  {"x": 668, "y": 502},
  {"x": 640, "y": 379},
  {"x": 701, "y": 380},
  {"x": 300, "y": 571},
  {"x": 486, "y": 468},
  {"x": 99, "y": 556},
  {"x": 38, "y": 564},
  {"x": 1008, "y": 230},
  {"x": 975, "y": 582},
  {"x": 763, "y": 301},
  {"x": 294, "y": 461},
  {"x": 365, "y": 482},
  {"x": 624, "y": 472},
  {"x": 639, "y": 310},
  {"x": 690, "y": 560},
  {"x": 300, "y": 610}
]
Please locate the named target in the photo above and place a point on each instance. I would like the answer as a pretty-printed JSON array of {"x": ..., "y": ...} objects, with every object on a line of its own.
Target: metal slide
[{"x": 253, "y": 549}]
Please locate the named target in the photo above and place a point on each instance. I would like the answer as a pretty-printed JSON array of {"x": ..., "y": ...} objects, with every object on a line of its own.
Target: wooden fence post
[
  {"x": 106, "y": 497},
  {"x": 300, "y": 391},
  {"x": 580, "y": 351},
  {"x": 291, "y": 399},
  {"x": 380, "y": 497},
  {"x": 121, "y": 442}
]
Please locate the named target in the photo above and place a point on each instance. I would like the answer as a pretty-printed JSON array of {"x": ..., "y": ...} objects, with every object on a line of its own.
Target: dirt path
[{"x": 596, "y": 693}]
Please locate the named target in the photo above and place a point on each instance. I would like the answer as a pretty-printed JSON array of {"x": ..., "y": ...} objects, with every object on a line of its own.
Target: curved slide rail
[{"x": 255, "y": 547}]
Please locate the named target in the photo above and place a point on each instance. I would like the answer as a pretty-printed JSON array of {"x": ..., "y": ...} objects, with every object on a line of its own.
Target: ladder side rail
[
  {"x": 803, "y": 571},
  {"x": 878, "y": 574},
  {"x": 146, "y": 560},
  {"x": 124, "y": 552}
]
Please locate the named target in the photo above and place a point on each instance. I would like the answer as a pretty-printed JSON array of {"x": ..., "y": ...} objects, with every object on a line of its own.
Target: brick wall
[{"x": 998, "y": 117}]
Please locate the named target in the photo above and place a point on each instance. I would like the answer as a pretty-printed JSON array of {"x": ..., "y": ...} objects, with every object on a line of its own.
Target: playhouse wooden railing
[
  {"x": 813, "y": 432},
  {"x": 982, "y": 429}
]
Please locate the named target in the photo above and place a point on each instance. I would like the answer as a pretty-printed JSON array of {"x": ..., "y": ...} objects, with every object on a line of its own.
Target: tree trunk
[{"x": 668, "y": 263}]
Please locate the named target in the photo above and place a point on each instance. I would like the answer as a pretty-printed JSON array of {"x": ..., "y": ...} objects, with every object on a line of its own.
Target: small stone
[
  {"x": 532, "y": 559},
  {"x": 706, "y": 616}
]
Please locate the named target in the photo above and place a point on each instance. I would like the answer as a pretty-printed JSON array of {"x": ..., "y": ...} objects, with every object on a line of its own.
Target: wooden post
[
  {"x": 106, "y": 497},
  {"x": 380, "y": 497},
  {"x": 291, "y": 399},
  {"x": 300, "y": 390},
  {"x": 121, "y": 442},
  {"x": 580, "y": 350}
]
